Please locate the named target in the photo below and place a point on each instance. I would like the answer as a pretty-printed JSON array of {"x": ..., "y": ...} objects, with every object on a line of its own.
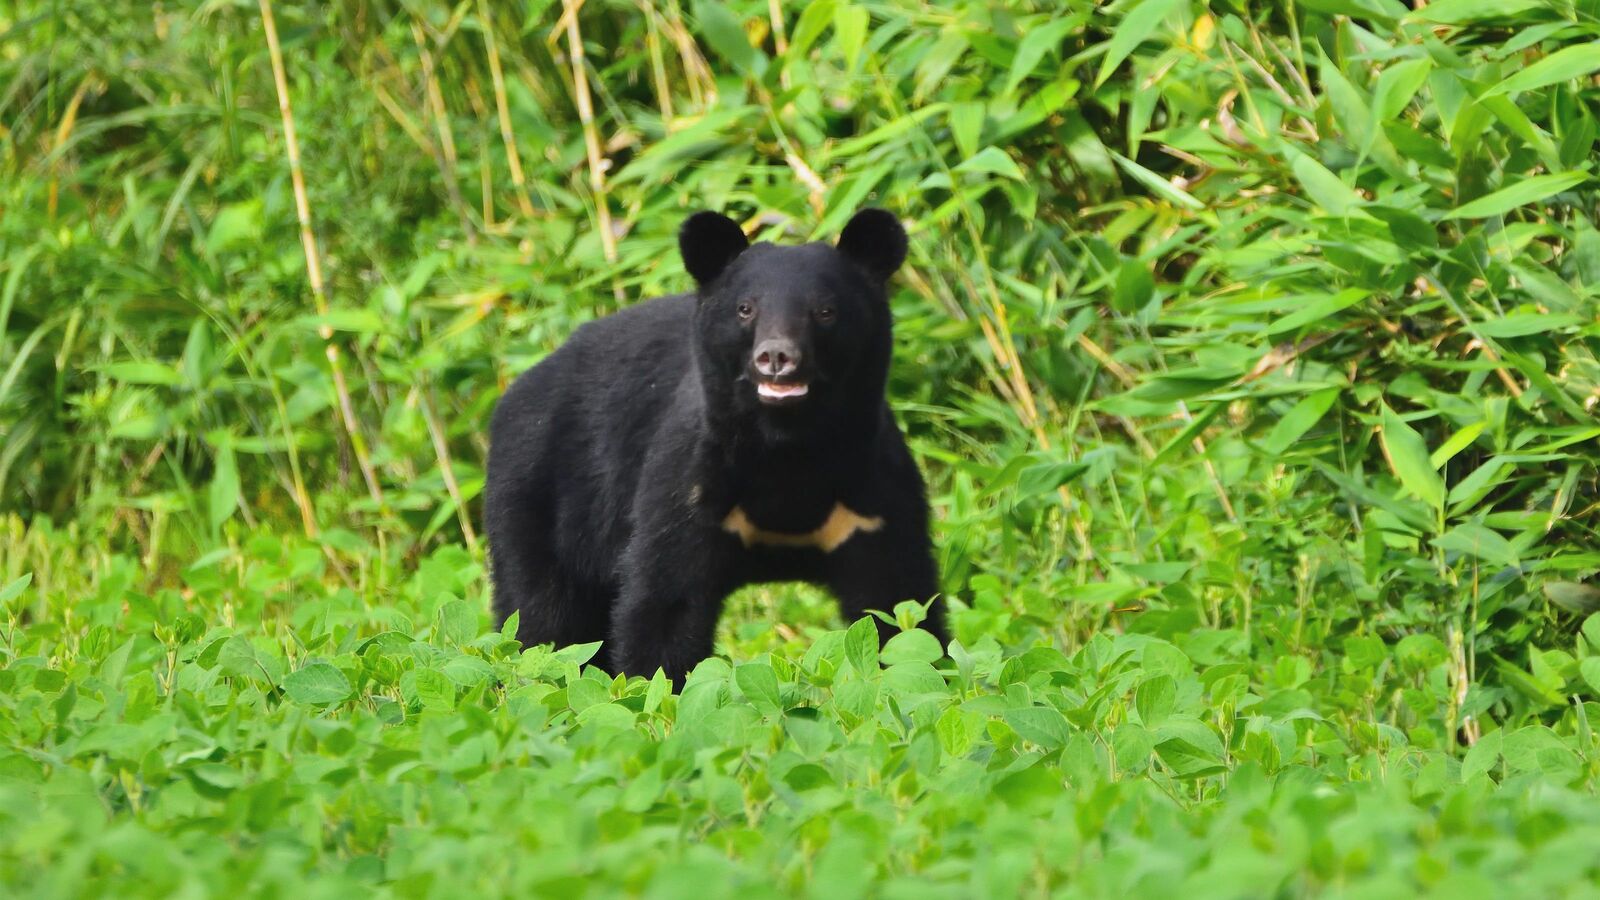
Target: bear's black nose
[{"x": 777, "y": 357}]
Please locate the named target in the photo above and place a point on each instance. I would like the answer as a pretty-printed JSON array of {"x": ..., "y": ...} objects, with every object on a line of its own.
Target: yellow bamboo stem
[
  {"x": 591, "y": 134},
  {"x": 308, "y": 243}
]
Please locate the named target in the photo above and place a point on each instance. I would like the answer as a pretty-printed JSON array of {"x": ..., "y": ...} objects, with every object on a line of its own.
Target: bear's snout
[{"x": 776, "y": 357}]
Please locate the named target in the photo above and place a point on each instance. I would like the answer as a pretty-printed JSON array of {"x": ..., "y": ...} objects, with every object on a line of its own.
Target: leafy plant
[{"x": 1250, "y": 352}]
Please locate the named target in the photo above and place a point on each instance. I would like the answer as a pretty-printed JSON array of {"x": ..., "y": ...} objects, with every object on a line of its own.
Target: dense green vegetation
[{"x": 1250, "y": 350}]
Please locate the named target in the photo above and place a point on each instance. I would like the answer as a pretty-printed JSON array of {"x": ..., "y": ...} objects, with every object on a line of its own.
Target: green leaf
[
  {"x": 992, "y": 161},
  {"x": 350, "y": 319},
  {"x": 1319, "y": 309},
  {"x": 955, "y": 736},
  {"x": 1035, "y": 43},
  {"x": 850, "y": 25},
  {"x": 1397, "y": 85},
  {"x": 1323, "y": 187},
  {"x": 1155, "y": 700},
  {"x": 223, "y": 496},
  {"x": 725, "y": 33},
  {"x": 1459, "y": 441},
  {"x": 236, "y": 225},
  {"x": 1135, "y": 287},
  {"x": 1523, "y": 193},
  {"x": 1299, "y": 420},
  {"x": 1042, "y": 725},
  {"x": 1590, "y": 669},
  {"x": 1137, "y": 25},
  {"x": 1408, "y": 459},
  {"x": 912, "y": 646},
  {"x": 1190, "y": 431},
  {"x": 458, "y": 622},
  {"x": 813, "y": 21},
  {"x": 1577, "y": 597},
  {"x": 144, "y": 372},
  {"x": 861, "y": 646},
  {"x": 15, "y": 587},
  {"x": 759, "y": 683},
  {"x": 1479, "y": 542},
  {"x": 1566, "y": 64},
  {"x": 1042, "y": 478},
  {"x": 1463, "y": 12},
  {"x": 1523, "y": 324},
  {"x": 467, "y": 671},
  {"x": 317, "y": 685},
  {"x": 1157, "y": 185}
]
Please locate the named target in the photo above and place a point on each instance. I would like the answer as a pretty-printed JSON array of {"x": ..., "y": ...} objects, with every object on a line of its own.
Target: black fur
[{"x": 614, "y": 462}]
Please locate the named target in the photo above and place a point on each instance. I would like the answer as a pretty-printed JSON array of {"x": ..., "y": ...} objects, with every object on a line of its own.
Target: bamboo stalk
[
  {"x": 658, "y": 63},
  {"x": 591, "y": 134},
  {"x": 441, "y": 449},
  {"x": 503, "y": 111},
  {"x": 508, "y": 135},
  {"x": 308, "y": 243},
  {"x": 447, "y": 141}
]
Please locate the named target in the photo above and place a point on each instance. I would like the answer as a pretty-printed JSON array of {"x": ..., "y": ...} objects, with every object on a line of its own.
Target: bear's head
[{"x": 793, "y": 334}]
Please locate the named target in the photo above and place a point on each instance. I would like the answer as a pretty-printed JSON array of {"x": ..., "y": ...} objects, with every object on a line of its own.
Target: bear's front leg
[
  {"x": 673, "y": 587},
  {"x": 880, "y": 569}
]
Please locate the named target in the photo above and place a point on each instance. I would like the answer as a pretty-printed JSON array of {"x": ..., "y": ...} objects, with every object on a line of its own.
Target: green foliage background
[{"x": 1250, "y": 351}]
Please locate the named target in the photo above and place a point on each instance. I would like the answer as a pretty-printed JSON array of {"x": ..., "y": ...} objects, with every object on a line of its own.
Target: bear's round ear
[
  {"x": 709, "y": 241},
  {"x": 874, "y": 240}
]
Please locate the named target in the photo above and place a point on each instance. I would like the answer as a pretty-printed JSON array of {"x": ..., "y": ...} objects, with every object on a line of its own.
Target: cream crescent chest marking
[{"x": 841, "y": 524}]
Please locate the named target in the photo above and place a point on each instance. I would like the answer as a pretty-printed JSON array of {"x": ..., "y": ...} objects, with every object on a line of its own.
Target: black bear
[{"x": 679, "y": 449}]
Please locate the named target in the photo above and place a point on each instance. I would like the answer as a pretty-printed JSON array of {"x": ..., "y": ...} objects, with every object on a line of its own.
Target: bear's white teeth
[{"x": 781, "y": 391}]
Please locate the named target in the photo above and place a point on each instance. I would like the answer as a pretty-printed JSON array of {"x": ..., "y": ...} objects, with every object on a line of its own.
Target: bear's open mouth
[{"x": 773, "y": 392}]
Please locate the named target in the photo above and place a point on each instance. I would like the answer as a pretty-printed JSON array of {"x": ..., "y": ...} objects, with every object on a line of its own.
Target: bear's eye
[
  {"x": 746, "y": 310},
  {"x": 827, "y": 314}
]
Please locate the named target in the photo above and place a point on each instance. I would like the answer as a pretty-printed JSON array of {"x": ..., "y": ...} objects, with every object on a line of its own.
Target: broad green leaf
[
  {"x": 813, "y": 21},
  {"x": 1525, "y": 192},
  {"x": 1323, "y": 187},
  {"x": 15, "y": 587},
  {"x": 1397, "y": 85},
  {"x": 760, "y": 684},
  {"x": 1299, "y": 420},
  {"x": 1523, "y": 324},
  {"x": 1035, "y": 43},
  {"x": 236, "y": 225},
  {"x": 1408, "y": 459},
  {"x": 1155, "y": 699},
  {"x": 992, "y": 161},
  {"x": 1479, "y": 542},
  {"x": 861, "y": 646},
  {"x": 850, "y": 25},
  {"x": 1590, "y": 669},
  {"x": 1137, "y": 25},
  {"x": 955, "y": 736},
  {"x": 912, "y": 646},
  {"x": 224, "y": 493},
  {"x": 724, "y": 32},
  {"x": 1319, "y": 309},
  {"x": 1457, "y": 442},
  {"x": 144, "y": 372},
  {"x": 317, "y": 684},
  {"x": 1577, "y": 597},
  {"x": 1462, "y": 12},
  {"x": 458, "y": 622},
  {"x": 357, "y": 321},
  {"x": 1040, "y": 724},
  {"x": 1566, "y": 64}
]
